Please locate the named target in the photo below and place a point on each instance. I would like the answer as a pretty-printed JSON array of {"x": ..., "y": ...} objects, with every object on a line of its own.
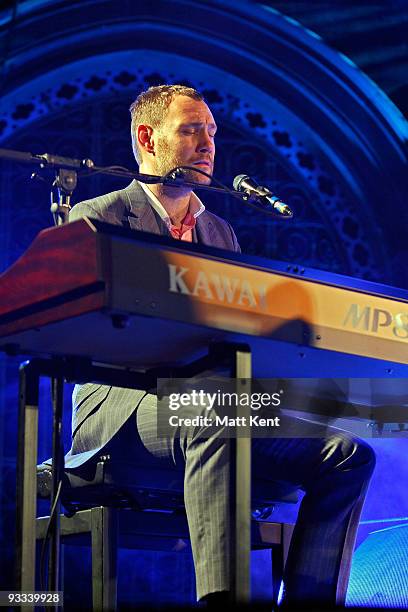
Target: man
[{"x": 173, "y": 126}]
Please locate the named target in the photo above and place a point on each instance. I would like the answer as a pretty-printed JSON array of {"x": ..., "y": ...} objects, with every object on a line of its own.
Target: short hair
[{"x": 150, "y": 107}]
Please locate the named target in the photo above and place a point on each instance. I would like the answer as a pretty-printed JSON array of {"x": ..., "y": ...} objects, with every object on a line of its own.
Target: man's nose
[{"x": 206, "y": 144}]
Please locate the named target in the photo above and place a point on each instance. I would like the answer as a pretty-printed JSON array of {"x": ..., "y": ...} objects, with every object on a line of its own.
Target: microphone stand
[{"x": 66, "y": 178}]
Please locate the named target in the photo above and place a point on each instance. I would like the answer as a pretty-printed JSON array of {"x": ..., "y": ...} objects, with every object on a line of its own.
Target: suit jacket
[{"x": 99, "y": 411}]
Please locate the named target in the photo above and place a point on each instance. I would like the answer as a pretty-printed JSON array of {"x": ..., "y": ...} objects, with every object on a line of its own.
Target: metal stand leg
[
  {"x": 104, "y": 556},
  {"x": 26, "y": 501},
  {"x": 240, "y": 487},
  {"x": 26, "y": 477},
  {"x": 57, "y": 385}
]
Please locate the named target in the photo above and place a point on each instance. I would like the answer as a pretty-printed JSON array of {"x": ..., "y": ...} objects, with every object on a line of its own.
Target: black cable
[
  {"x": 101, "y": 170},
  {"x": 239, "y": 194},
  {"x": 43, "y": 578},
  {"x": 177, "y": 168}
]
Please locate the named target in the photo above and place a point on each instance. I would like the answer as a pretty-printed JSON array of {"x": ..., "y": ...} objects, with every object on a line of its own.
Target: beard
[{"x": 166, "y": 160}]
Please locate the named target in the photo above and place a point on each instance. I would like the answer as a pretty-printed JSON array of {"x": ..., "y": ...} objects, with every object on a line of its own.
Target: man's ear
[{"x": 145, "y": 138}]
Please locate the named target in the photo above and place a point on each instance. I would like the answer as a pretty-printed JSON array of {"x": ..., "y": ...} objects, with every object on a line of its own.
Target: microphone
[{"x": 248, "y": 185}]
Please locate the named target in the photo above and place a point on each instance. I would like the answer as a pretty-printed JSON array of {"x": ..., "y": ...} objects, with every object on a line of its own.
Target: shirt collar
[{"x": 196, "y": 207}]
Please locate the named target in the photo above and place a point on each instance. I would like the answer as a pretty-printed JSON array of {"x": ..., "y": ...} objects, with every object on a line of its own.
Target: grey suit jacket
[
  {"x": 130, "y": 208},
  {"x": 98, "y": 411}
]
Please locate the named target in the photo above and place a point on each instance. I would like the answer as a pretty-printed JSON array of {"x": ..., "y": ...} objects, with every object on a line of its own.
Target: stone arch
[{"x": 321, "y": 134}]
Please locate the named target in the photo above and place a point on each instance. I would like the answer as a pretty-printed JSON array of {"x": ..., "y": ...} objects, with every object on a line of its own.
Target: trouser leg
[
  {"x": 334, "y": 473},
  {"x": 205, "y": 457},
  {"x": 206, "y": 496},
  {"x": 334, "y": 470}
]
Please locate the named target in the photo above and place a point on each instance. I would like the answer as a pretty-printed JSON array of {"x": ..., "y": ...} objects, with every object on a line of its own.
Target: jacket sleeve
[
  {"x": 108, "y": 208},
  {"x": 85, "y": 209}
]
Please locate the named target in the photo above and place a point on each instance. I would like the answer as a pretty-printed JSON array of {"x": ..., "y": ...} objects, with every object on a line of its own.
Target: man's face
[{"x": 186, "y": 138}]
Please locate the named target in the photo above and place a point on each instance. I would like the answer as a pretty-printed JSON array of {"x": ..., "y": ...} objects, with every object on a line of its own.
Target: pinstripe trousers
[{"x": 334, "y": 470}]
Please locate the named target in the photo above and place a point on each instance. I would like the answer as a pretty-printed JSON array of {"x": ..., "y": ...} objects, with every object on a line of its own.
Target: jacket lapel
[
  {"x": 206, "y": 233},
  {"x": 141, "y": 215}
]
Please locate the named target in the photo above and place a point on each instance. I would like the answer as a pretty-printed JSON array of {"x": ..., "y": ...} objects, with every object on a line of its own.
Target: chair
[{"x": 115, "y": 503}]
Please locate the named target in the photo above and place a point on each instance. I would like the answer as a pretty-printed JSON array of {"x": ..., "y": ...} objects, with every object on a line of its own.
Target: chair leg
[
  {"x": 104, "y": 557},
  {"x": 279, "y": 555},
  {"x": 277, "y": 571},
  {"x": 62, "y": 566}
]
